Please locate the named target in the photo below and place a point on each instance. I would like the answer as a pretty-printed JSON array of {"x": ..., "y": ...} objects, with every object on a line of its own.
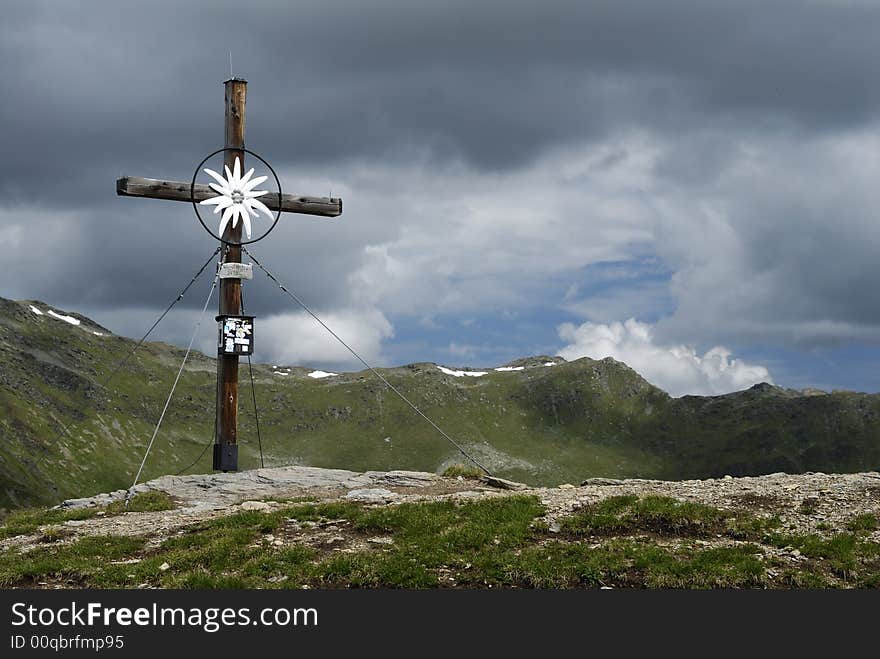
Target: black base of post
[{"x": 225, "y": 457}]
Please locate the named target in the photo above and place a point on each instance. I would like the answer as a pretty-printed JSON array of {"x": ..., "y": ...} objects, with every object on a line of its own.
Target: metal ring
[{"x": 192, "y": 195}]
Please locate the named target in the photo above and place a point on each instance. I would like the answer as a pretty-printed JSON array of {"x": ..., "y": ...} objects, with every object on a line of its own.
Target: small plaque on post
[
  {"x": 236, "y": 335},
  {"x": 236, "y": 271}
]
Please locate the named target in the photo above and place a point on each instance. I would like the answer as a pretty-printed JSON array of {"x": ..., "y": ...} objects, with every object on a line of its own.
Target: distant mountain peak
[{"x": 39, "y": 310}]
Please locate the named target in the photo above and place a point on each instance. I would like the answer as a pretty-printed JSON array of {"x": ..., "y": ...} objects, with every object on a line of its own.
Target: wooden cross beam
[
  {"x": 226, "y": 446},
  {"x": 135, "y": 186}
]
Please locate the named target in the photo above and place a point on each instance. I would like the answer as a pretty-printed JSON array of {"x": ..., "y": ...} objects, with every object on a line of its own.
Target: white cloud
[
  {"x": 469, "y": 241},
  {"x": 677, "y": 369},
  {"x": 298, "y": 339}
]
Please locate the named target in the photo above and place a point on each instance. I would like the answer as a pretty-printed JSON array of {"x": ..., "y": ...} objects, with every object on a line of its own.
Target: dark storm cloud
[
  {"x": 794, "y": 259},
  {"x": 98, "y": 87},
  {"x": 96, "y": 90}
]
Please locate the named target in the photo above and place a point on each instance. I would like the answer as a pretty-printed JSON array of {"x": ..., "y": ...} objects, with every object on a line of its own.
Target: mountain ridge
[{"x": 63, "y": 436}]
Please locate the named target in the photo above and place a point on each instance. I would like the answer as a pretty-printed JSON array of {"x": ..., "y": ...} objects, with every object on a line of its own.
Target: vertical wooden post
[{"x": 226, "y": 447}]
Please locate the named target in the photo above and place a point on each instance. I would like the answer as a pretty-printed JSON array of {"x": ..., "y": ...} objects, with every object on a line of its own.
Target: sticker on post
[{"x": 235, "y": 335}]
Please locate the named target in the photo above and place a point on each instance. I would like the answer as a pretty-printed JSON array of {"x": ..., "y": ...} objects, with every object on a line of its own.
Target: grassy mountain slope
[{"x": 63, "y": 435}]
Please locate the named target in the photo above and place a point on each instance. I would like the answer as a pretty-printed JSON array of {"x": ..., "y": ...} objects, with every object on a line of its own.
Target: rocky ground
[{"x": 805, "y": 503}]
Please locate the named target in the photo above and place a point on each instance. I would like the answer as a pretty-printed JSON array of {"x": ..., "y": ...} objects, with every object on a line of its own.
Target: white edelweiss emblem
[{"x": 237, "y": 199}]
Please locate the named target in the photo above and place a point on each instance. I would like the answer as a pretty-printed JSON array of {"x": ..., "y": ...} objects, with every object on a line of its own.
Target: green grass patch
[
  {"x": 637, "y": 564},
  {"x": 629, "y": 514},
  {"x": 23, "y": 522},
  {"x": 447, "y": 535},
  {"x": 154, "y": 500},
  {"x": 231, "y": 551},
  {"x": 865, "y": 523},
  {"x": 744, "y": 526},
  {"x": 847, "y": 556},
  {"x": 464, "y": 471},
  {"x": 737, "y": 566},
  {"x": 85, "y": 562},
  {"x": 568, "y": 565},
  {"x": 446, "y": 528},
  {"x": 498, "y": 541}
]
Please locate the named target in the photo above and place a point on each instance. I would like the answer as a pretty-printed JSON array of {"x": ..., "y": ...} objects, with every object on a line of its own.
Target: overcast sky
[{"x": 691, "y": 187}]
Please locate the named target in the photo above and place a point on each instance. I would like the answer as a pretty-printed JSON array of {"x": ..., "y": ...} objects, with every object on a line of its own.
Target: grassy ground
[{"x": 501, "y": 542}]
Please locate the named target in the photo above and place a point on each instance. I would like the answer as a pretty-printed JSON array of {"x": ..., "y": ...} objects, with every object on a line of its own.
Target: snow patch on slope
[
  {"x": 458, "y": 374},
  {"x": 66, "y": 319},
  {"x": 321, "y": 374}
]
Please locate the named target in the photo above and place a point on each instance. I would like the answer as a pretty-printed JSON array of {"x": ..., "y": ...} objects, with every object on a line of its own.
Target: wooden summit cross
[{"x": 226, "y": 447}]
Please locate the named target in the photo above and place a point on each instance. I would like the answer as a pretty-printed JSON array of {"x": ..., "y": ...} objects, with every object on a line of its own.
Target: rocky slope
[
  {"x": 802, "y": 501},
  {"x": 309, "y": 527}
]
